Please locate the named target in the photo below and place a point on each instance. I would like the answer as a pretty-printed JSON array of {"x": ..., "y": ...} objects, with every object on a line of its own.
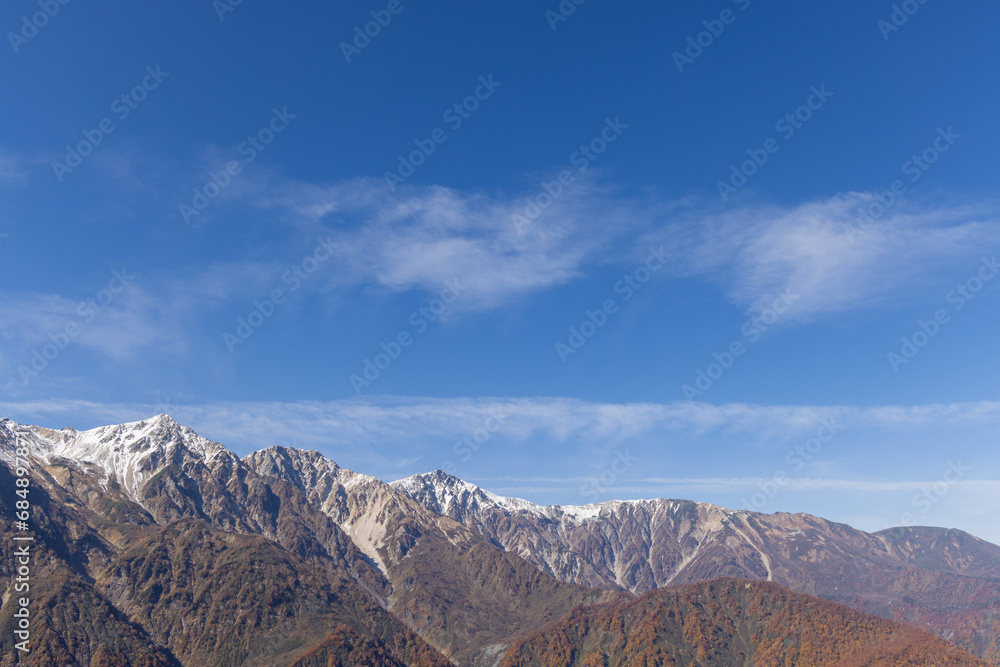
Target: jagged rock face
[
  {"x": 138, "y": 482},
  {"x": 467, "y": 570},
  {"x": 126, "y": 455},
  {"x": 171, "y": 473},
  {"x": 162, "y": 532},
  {"x": 71, "y": 622},
  {"x": 952, "y": 578},
  {"x": 455, "y": 589},
  {"x": 383, "y": 522},
  {"x": 182, "y": 594},
  {"x": 220, "y": 598},
  {"x": 634, "y": 545}
]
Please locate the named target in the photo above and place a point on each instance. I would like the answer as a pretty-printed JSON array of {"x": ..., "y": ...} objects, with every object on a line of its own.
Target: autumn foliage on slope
[
  {"x": 344, "y": 647},
  {"x": 732, "y": 622}
]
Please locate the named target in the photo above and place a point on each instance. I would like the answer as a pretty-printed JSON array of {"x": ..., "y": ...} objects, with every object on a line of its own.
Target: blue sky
[{"x": 616, "y": 255}]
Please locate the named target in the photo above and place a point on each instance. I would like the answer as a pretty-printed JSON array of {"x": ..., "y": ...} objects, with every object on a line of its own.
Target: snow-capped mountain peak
[
  {"x": 128, "y": 453},
  {"x": 455, "y": 497},
  {"x": 460, "y": 500},
  {"x": 446, "y": 494}
]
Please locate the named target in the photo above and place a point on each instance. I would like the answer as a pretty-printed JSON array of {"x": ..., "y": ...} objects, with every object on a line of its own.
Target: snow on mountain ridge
[
  {"x": 133, "y": 452},
  {"x": 442, "y": 491},
  {"x": 447, "y": 490},
  {"x": 129, "y": 453},
  {"x": 321, "y": 465}
]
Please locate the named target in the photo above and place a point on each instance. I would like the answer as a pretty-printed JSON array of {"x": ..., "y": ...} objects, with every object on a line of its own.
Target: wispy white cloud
[
  {"x": 655, "y": 486},
  {"x": 390, "y": 422},
  {"x": 386, "y": 436},
  {"x": 422, "y": 236},
  {"x": 126, "y": 312},
  {"x": 416, "y": 240},
  {"x": 117, "y": 329},
  {"x": 815, "y": 251},
  {"x": 811, "y": 484}
]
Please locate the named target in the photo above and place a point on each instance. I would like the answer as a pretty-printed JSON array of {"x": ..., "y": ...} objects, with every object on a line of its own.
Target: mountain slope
[
  {"x": 135, "y": 481},
  {"x": 456, "y": 590},
  {"x": 70, "y": 622},
  {"x": 945, "y": 581},
  {"x": 733, "y": 623},
  {"x": 158, "y": 471},
  {"x": 156, "y": 525},
  {"x": 218, "y": 598},
  {"x": 171, "y": 561}
]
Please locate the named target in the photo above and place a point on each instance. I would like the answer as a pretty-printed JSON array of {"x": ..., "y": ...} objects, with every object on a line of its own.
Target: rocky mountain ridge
[
  {"x": 396, "y": 561},
  {"x": 942, "y": 580},
  {"x": 463, "y": 569}
]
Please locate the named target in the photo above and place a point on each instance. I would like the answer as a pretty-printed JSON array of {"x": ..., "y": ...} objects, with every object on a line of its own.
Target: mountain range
[{"x": 155, "y": 546}]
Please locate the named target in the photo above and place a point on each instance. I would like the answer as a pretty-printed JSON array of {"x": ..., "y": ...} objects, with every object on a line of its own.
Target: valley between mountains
[{"x": 155, "y": 546}]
